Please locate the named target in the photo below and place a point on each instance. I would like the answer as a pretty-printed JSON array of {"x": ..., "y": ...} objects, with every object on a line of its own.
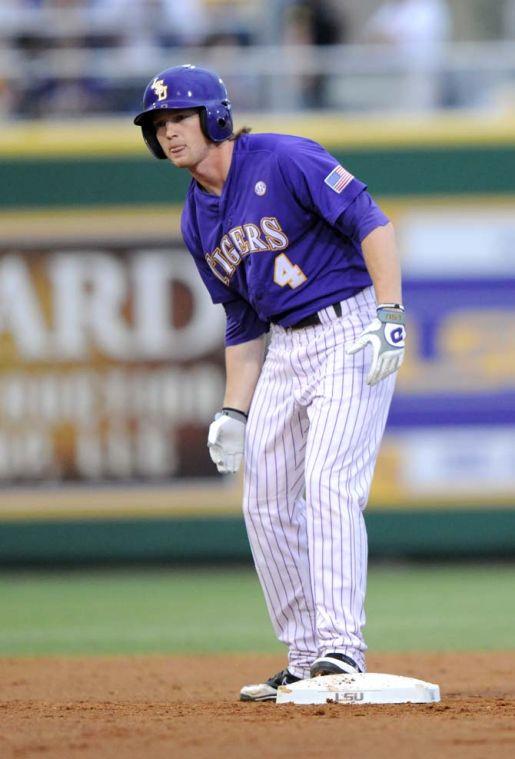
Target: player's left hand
[
  {"x": 386, "y": 336},
  {"x": 226, "y": 439}
]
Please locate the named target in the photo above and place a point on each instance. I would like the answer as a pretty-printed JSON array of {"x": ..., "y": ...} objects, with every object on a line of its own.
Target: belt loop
[
  {"x": 324, "y": 316},
  {"x": 329, "y": 313}
]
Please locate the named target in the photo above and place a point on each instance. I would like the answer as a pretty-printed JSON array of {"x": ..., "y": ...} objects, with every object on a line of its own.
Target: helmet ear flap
[
  {"x": 216, "y": 121},
  {"x": 204, "y": 122},
  {"x": 149, "y": 135}
]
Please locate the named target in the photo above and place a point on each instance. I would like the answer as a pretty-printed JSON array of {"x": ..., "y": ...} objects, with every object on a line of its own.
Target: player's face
[{"x": 180, "y": 135}]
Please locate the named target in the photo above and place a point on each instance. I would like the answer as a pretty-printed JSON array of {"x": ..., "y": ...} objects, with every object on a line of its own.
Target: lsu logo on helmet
[{"x": 160, "y": 88}]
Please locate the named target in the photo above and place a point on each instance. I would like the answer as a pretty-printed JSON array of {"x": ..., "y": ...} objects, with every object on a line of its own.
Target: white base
[{"x": 370, "y": 688}]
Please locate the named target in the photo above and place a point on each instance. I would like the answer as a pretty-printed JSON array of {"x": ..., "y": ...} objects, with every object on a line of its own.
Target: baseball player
[{"x": 291, "y": 244}]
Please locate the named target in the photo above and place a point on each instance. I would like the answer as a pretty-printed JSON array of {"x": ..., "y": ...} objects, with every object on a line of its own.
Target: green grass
[{"x": 136, "y": 611}]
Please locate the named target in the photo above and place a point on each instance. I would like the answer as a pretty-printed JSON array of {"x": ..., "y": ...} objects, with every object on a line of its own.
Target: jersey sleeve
[
  {"x": 217, "y": 290},
  {"x": 361, "y": 217},
  {"x": 319, "y": 183},
  {"x": 243, "y": 323}
]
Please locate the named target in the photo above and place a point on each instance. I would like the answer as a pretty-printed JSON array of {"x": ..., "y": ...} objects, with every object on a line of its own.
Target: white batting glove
[
  {"x": 226, "y": 439},
  {"x": 386, "y": 336}
]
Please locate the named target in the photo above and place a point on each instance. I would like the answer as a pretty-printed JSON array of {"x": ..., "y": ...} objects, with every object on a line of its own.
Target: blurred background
[{"x": 111, "y": 360}]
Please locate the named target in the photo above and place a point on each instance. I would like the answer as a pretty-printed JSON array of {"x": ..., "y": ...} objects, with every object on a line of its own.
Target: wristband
[
  {"x": 234, "y": 413},
  {"x": 391, "y": 305}
]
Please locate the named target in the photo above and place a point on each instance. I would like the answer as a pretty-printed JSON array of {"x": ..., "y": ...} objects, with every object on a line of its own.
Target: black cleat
[
  {"x": 267, "y": 691},
  {"x": 334, "y": 664}
]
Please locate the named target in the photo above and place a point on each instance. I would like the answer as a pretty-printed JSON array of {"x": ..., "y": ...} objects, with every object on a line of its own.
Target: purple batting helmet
[{"x": 186, "y": 87}]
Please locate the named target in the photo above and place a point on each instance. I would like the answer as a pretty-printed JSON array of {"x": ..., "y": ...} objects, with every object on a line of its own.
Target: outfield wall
[
  {"x": 445, "y": 535},
  {"x": 112, "y": 356}
]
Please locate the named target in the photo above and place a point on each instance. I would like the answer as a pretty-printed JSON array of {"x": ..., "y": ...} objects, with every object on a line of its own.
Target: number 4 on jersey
[{"x": 286, "y": 273}]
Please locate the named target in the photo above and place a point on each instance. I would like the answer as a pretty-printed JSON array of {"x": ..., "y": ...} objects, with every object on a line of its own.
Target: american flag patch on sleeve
[{"x": 338, "y": 179}]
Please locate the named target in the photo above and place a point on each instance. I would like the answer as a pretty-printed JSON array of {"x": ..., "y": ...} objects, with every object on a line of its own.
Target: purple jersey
[{"x": 284, "y": 238}]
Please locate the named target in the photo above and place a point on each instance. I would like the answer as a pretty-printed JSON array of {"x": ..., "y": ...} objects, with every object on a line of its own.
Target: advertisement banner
[
  {"x": 451, "y": 430},
  {"x": 112, "y": 365}
]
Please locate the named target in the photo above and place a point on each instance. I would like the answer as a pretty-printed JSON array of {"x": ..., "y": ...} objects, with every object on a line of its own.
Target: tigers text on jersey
[{"x": 277, "y": 239}]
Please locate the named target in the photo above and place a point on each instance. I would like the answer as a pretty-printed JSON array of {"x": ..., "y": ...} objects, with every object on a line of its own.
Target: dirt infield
[{"x": 158, "y": 706}]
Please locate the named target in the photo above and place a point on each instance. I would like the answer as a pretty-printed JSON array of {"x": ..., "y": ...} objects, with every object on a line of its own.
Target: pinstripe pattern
[{"x": 314, "y": 428}]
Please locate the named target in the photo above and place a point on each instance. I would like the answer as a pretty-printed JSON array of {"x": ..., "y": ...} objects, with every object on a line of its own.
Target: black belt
[{"x": 313, "y": 319}]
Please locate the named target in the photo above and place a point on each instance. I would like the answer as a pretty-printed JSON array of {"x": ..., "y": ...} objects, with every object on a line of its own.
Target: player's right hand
[{"x": 226, "y": 439}]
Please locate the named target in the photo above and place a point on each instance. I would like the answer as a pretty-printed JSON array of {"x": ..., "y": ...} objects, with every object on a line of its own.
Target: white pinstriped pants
[{"x": 313, "y": 435}]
